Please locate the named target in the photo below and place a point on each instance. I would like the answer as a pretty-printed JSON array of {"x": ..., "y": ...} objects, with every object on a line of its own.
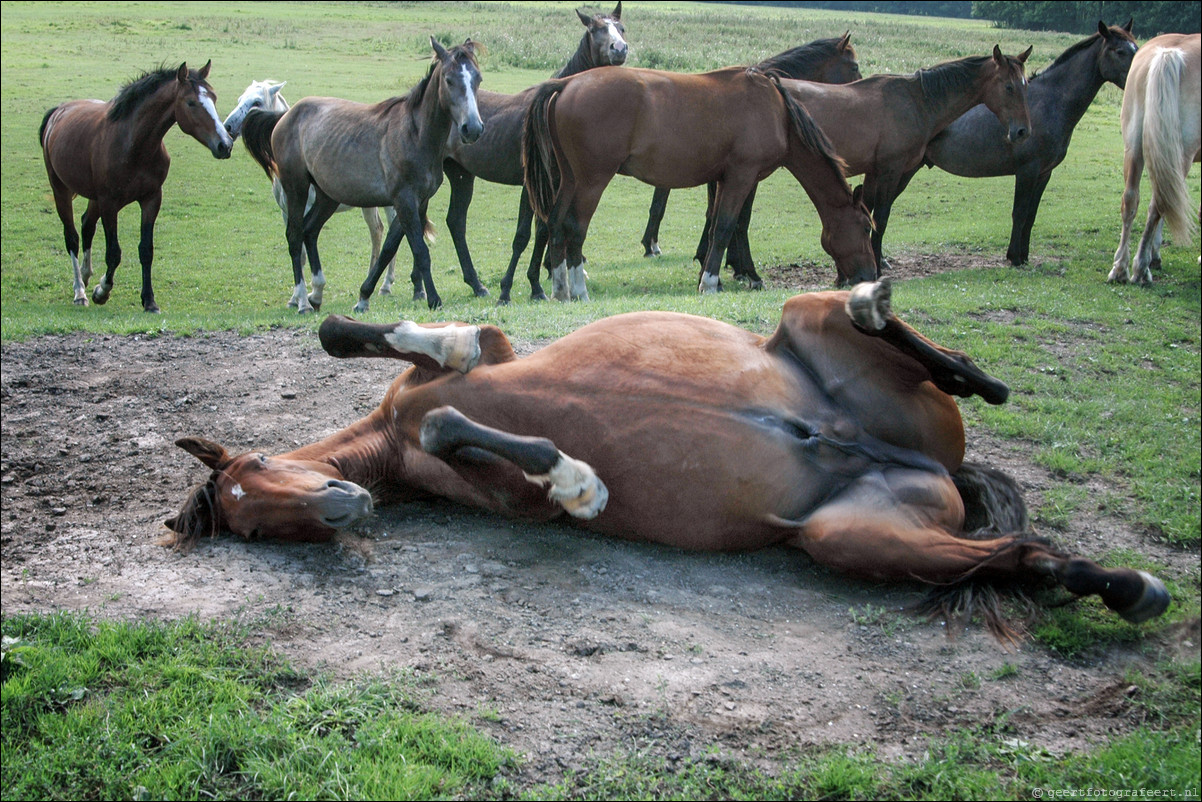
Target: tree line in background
[{"x": 1151, "y": 17}]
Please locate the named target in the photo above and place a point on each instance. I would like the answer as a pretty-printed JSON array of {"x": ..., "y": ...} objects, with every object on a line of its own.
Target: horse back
[{"x": 86, "y": 151}]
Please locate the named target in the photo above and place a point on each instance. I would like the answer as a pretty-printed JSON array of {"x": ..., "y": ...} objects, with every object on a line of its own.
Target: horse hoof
[
  {"x": 81, "y": 301},
  {"x": 1154, "y": 601},
  {"x": 360, "y": 308},
  {"x": 308, "y": 310},
  {"x": 153, "y": 309},
  {"x": 503, "y": 301},
  {"x": 481, "y": 292},
  {"x": 99, "y": 299},
  {"x": 434, "y": 303},
  {"x": 868, "y": 305},
  {"x": 538, "y": 296}
]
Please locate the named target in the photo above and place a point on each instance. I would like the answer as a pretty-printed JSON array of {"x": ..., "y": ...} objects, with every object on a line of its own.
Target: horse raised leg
[
  {"x": 441, "y": 347},
  {"x": 571, "y": 483}
]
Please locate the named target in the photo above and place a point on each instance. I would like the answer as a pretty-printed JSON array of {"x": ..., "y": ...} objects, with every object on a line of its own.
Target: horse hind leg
[
  {"x": 1147, "y": 253},
  {"x": 66, "y": 213},
  {"x": 572, "y": 484},
  {"x": 438, "y": 347}
]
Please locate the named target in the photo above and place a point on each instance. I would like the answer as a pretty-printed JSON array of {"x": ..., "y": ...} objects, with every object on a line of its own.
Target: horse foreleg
[
  {"x": 1133, "y": 169},
  {"x": 91, "y": 217},
  {"x": 738, "y": 254},
  {"x": 727, "y": 204},
  {"x": 440, "y": 347},
  {"x": 388, "y": 251},
  {"x": 885, "y": 192},
  {"x": 375, "y": 229},
  {"x": 868, "y": 306},
  {"x": 655, "y": 215},
  {"x": 1029, "y": 184},
  {"x": 521, "y": 238},
  {"x": 150, "y": 212},
  {"x": 462, "y": 186},
  {"x": 573, "y": 484},
  {"x": 541, "y": 236},
  {"x": 112, "y": 255}
]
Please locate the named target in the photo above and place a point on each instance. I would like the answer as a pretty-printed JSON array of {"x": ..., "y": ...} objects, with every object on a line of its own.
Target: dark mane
[
  {"x": 133, "y": 93},
  {"x": 199, "y": 515},
  {"x": 412, "y": 100},
  {"x": 801, "y": 59},
  {"x": 949, "y": 78},
  {"x": 811, "y": 136}
]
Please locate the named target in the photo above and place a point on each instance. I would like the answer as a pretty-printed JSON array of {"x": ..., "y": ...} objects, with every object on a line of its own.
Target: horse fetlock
[
  {"x": 868, "y": 305},
  {"x": 578, "y": 279},
  {"x": 361, "y": 307},
  {"x": 455, "y": 347},
  {"x": 709, "y": 284},
  {"x": 575, "y": 486},
  {"x": 560, "y": 290},
  {"x": 100, "y": 293}
]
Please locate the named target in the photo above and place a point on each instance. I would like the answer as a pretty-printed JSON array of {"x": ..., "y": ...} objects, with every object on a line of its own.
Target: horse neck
[
  {"x": 150, "y": 121},
  {"x": 432, "y": 123},
  {"x": 364, "y": 452},
  {"x": 954, "y": 101},
  {"x": 1074, "y": 82},
  {"x": 580, "y": 61}
]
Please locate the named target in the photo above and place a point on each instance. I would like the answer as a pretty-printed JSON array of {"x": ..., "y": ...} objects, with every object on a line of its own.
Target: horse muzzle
[
  {"x": 471, "y": 130},
  {"x": 1017, "y": 133}
]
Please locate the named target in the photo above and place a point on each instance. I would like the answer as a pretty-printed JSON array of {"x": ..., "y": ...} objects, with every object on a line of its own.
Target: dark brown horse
[
  {"x": 837, "y": 435},
  {"x": 826, "y": 61},
  {"x": 733, "y": 127},
  {"x": 386, "y": 154},
  {"x": 113, "y": 155},
  {"x": 497, "y": 155},
  {"x": 975, "y": 146},
  {"x": 880, "y": 126}
]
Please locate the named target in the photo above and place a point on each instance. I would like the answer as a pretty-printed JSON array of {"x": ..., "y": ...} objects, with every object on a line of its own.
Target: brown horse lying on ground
[{"x": 837, "y": 435}]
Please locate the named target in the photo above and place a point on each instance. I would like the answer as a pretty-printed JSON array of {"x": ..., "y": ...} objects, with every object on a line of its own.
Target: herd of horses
[{"x": 838, "y": 434}]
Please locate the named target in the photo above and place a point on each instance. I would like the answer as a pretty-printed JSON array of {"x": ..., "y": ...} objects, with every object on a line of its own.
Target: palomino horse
[
  {"x": 974, "y": 145},
  {"x": 734, "y": 127},
  {"x": 266, "y": 96},
  {"x": 880, "y": 126},
  {"x": 837, "y": 435},
  {"x": 113, "y": 154},
  {"x": 1161, "y": 119},
  {"x": 497, "y": 155},
  {"x": 826, "y": 61},
  {"x": 363, "y": 155}
]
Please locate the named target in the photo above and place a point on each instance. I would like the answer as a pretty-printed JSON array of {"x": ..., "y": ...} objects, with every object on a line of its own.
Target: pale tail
[{"x": 1163, "y": 146}]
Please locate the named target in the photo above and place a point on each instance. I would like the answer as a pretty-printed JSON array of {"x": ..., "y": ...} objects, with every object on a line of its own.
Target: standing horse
[
  {"x": 1161, "y": 111},
  {"x": 497, "y": 155},
  {"x": 390, "y": 153},
  {"x": 826, "y": 61},
  {"x": 266, "y": 96},
  {"x": 837, "y": 435},
  {"x": 113, "y": 155},
  {"x": 734, "y": 127},
  {"x": 880, "y": 126},
  {"x": 973, "y": 146}
]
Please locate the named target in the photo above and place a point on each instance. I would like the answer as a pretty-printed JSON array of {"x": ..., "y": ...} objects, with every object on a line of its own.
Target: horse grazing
[
  {"x": 497, "y": 155},
  {"x": 880, "y": 126},
  {"x": 1161, "y": 120},
  {"x": 827, "y": 61},
  {"x": 837, "y": 435},
  {"x": 266, "y": 96},
  {"x": 387, "y": 154},
  {"x": 113, "y": 155},
  {"x": 734, "y": 127},
  {"x": 973, "y": 146}
]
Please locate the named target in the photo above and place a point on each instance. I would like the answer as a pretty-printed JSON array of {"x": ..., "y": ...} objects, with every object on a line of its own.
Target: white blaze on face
[
  {"x": 206, "y": 102},
  {"x": 472, "y": 112},
  {"x": 237, "y": 492},
  {"x": 614, "y": 34}
]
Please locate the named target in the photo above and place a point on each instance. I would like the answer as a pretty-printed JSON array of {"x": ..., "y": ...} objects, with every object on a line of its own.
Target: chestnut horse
[
  {"x": 974, "y": 145},
  {"x": 1162, "y": 118},
  {"x": 113, "y": 155},
  {"x": 497, "y": 155},
  {"x": 386, "y": 154},
  {"x": 825, "y": 61},
  {"x": 837, "y": 435},
  {"x": 734, "y": 127},
  {"x": 880, "y": 126}
]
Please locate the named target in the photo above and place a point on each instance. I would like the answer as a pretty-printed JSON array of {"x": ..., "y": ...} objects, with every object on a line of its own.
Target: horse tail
[
  {"x": 42, "y": 127},
  {"x": 993, "y": 502},
  {"x": 1163, "y": 146},
  {"x": 811, "y": 136},
  {"x": 540, "y": 167},
  {"x": 256, "y": 135},
  {"x": 428, "y": 230}
]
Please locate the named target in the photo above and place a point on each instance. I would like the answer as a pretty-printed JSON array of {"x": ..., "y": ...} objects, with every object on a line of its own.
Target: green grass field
[{"x": 1105, "y": 379}]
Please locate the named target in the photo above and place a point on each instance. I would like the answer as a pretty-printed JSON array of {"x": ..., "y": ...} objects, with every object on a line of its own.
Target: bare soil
[{"x": 565, "y": 646}]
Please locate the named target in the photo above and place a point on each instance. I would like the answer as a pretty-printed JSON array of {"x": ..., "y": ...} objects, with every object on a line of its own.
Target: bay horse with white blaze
[
  {"x": 113, "y": 155},
  {"x": 733, "y": 127},
  {"x": 386, "y": 154},
  {"x": 266, "y": 96},
  {"x": 837, "y": 435},
  {"x": 1162, "y": 128},
  {"x": 497, "y": 155}
]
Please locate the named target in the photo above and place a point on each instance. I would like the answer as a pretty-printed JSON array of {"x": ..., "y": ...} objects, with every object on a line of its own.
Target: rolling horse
[
  {"x": 838, "y": 435},
  {"x": 365, "y": 155},
  {"x": 733, "y": 127},
  {"x": 113, "y": 154}
]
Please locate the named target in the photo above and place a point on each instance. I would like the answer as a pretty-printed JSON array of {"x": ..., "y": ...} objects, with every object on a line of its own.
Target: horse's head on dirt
[{"x": 254, "y": 496}]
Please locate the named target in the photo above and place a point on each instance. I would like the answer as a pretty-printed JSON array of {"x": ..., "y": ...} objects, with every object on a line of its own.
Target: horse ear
[
  {"x": 845, "y": 41},
  {"x": 617, "y": 11},
  {"x": 204, "y": 71},
  {"x": 181, "y": 74},
  {"x": 1127, "y": 27},
  {"x": 584, "y": 18},
  {"x": 857, "y": 195},
  {"x": 275, "y": 90},
  {"x": 1023, "y": 56},
  {"x": 208, "y": 452},
  {"x": 439, "y": 50}
]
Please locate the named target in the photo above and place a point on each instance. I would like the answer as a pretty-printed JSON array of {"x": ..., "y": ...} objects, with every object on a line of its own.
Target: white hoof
[{"x": 575, "y": 486}]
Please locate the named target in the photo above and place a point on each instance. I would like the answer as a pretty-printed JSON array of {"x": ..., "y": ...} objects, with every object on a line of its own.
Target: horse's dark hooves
[
  {"x": 99, "y": 300},
  {"x": 434, "y": 303},
  {"x": 1154, "y": 601},
  {"x": 153, "y": 309},
  {"x": 538, "y": 296},
  {"x": 481, "y": 292},
  {"x": 503, "y": 300}
]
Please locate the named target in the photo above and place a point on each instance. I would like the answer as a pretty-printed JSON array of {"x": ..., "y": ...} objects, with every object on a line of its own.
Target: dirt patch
[{"x": 562, "y": 645}]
